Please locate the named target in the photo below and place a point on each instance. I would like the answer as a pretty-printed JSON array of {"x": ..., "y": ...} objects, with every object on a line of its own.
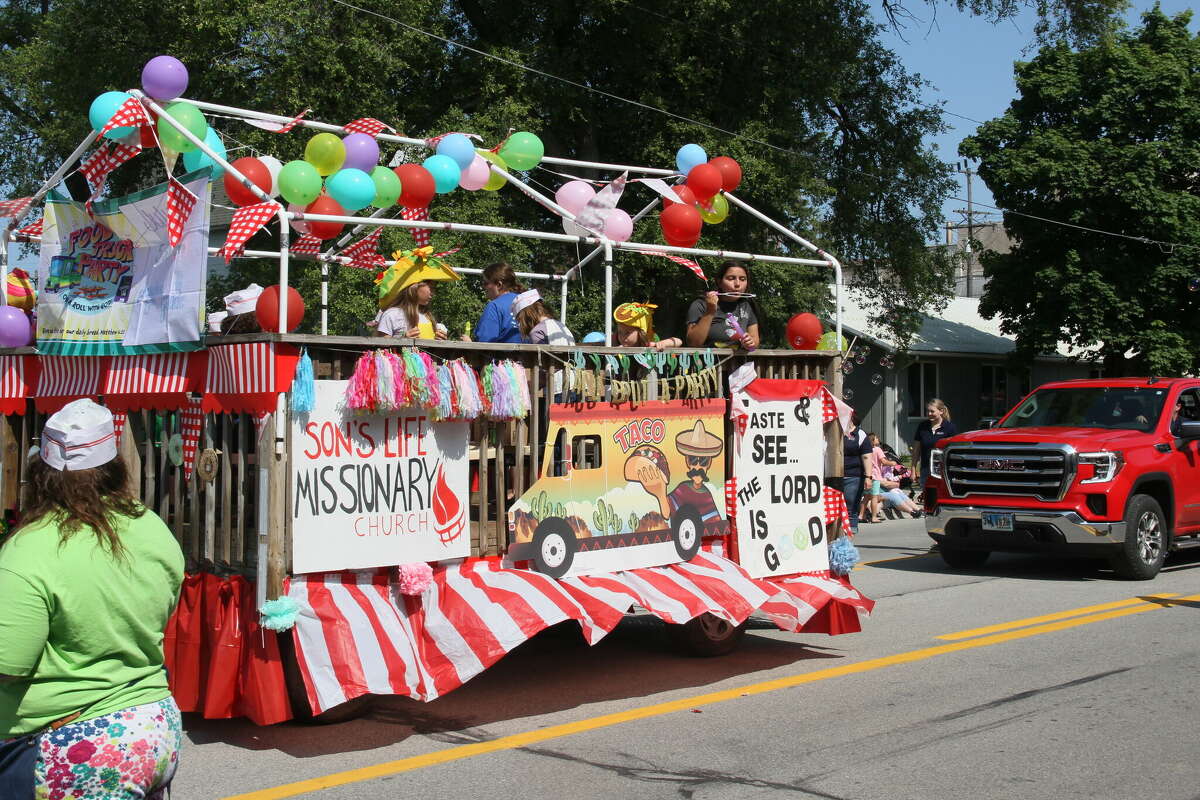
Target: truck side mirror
[{"x": 1188, "y": 429}]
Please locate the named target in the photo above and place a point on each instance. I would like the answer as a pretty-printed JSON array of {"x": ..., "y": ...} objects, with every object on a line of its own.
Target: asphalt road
[{"x": 1054, "y": 698}]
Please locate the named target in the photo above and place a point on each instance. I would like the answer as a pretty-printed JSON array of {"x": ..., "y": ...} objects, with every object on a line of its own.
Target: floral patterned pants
[{"x": 130, "y": 754}]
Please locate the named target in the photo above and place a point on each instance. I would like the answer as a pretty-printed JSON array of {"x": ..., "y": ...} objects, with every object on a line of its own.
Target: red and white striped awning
[{"x": 357, "y": 634}]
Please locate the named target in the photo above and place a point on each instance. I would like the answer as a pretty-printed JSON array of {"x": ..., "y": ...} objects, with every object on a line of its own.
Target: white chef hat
[
  {"x": 243, "y": 300},
  {"x": 79, "y": 436},
  {"x": 215, "y": 319},
  {"x": 524, "y": 300}
]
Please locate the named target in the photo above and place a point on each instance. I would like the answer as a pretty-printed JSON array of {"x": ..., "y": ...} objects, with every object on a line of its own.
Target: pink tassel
[{"x": 413, "y": 579}]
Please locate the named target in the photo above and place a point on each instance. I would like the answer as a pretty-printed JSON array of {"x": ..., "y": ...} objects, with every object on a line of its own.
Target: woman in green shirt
[{"x": 87, "y": 584}]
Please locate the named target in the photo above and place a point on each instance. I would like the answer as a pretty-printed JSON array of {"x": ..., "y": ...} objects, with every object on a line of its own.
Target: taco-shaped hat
[
  {"x": 637, "y": 315},
  {"x": 412, "y": 266}
]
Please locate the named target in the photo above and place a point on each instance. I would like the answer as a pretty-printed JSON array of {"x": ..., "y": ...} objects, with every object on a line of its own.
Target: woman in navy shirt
[
  {"x": 497, "y": 324},
  {"x": 936, "y": 426},
  {"x": 856, "y": 449}
]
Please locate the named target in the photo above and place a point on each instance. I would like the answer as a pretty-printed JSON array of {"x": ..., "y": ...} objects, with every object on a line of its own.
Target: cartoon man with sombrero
[{"x": 647, "y": 465}]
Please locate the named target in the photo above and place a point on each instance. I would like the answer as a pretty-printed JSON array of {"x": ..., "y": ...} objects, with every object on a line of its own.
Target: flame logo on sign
[{"x": 448, "y": 515}]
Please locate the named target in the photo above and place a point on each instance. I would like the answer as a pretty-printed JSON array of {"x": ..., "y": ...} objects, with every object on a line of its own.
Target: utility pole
[{"x": 964, "y": 167}]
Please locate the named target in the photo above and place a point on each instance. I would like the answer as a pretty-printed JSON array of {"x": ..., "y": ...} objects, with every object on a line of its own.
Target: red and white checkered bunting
[
  {"x": 306, "y": 245},
  {"x": 433, "y": 141},
  {"x": 278, "y": 127},
  {"x": 836, "y": 512},
  {"x": 246, "y": 222},
  {"x": 192, "y": 423},
  {"x": 15, "y": 208},
  {"x": 129, "y": 115},
  {"x": 119, "y": 418},
  {"x": 680, "y": 260},
  {"x": 368, "y": 125},
  {"x": 420, "y": 235},
  {"x": 31, "y": 231},
  {"x": 180, "y": 202},
  {"x": 99, "y": 164},
  {"x": 363, "y": 255}
]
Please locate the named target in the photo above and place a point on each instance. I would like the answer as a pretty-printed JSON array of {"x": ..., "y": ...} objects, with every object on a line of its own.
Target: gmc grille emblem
[{"x": 1001, "y": 463}]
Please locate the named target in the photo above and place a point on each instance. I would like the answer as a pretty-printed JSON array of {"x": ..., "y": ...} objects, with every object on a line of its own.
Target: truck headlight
[
  {"x": 936, "y": 457},
  {"x": 1106, "y": 464}
]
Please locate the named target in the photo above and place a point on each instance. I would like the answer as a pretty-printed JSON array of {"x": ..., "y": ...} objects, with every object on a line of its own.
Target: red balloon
[
  {"x": 325, "y": 205},
  {"x": 258, "y": 174},
  {"x": 803, "y": 331},
  {"x": 680, "y": 225},
  {"x": 731, "y": 172},
  {"x": 685, "y": 194},
  {"x": 416, "y": 185},
  {"x": 267, "y": 309},
  {"x": 704, "y": 180}
]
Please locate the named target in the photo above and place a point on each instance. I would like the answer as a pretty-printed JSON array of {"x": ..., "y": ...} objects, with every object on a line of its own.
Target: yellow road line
[
  {"x": 659, "y": 709},
  {"x": 1074, "y": 612}
]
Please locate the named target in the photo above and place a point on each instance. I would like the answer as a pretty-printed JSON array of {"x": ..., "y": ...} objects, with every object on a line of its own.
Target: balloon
[
  {"x": 717, "y": 210},
  {"x": 804, "y": 331},
  {"x": 495, "y": 182},
  {"x": 689, "y": 156},
  {"x": 475, "y": 176},
  {"x": 14, "y": 327},
  {"x": 416, "y": 185},
  {"x": 680, "y": 225},
  {"x": 353, "y": 189},
  {"x": 102, "y": 109},
  {"x": 189, "y": 117},
  {"x": 299, "y": 182},
  {"x": 300, "y": 226},
  {"x": 445, "y": 173},
  {"x": 684, "y": 193},
  {"x": 387, "y": 187},
  {"x": 198, "y": 159},
  {"x": 362, "y": 152},
  {"x": 273, "y": 165},
  {"x": 522, "y": 150},
  {"x": 266, "y": 310},
  {"x": 258, "y": 174},
  {"x": 164, "y": 78},
  {"x": 20, "y": 289},
  {"x": 325, "y": 205},
  {"x": 574, "y": 195},
  {"x": 828, "y": 341},
  {"x": 618, "y": 226},
  {"x": 457, "y": 147},
  {"x": 325, "y": 152},
  {"x": 704, "y": 180},
  {"x": 731, "y": 172}
]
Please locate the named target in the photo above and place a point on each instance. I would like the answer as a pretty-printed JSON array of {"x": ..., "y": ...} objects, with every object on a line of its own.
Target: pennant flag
[
  {"x": 683, "y": 262},
  {"x": 246, "y": 222},
  {"x": 192, "y": 421},
  {"x": 31, "y": 231},
  {"x": 129, "y": 115},
  {"x": 432, "y": 142},
  {"x": 369, "y": 126},
  {"x": 180, "y": 202},
  {"x": 277, "y": 127},
  {"x": 365, "y": 245},
  {"x": 596, "y": 211},
  {"x": 420, "y": 235},
  {"x": 118, "y": 425},
  {"x": 306, "y": 245},
  {"x": 15, "y": 208},
  {"x": 98, "y": 165}
]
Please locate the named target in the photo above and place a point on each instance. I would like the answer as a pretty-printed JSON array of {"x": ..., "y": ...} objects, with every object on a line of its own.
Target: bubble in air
[
  {"x": 876, "y": 379},
  {"x": 847, "y": 395}
]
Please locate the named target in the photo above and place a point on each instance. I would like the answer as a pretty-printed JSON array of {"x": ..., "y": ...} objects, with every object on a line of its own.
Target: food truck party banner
[
  {"x": 374, "y": 490},
  {"x": 110, "y": 283},
  {"x": 779, "y": 461}
]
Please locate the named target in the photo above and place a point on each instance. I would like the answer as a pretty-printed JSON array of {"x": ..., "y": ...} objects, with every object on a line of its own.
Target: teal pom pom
[
  {"x": 843, "y": 555},
  {"x": 280, "y": 614},
  {"x": 304, "y": 390}
]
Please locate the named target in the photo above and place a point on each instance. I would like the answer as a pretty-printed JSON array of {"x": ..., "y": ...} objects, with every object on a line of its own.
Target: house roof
[{"x": 958, "y": 328}]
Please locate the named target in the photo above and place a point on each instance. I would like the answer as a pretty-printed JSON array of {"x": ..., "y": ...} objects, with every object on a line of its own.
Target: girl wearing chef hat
[{"x": 88, "y": 580}]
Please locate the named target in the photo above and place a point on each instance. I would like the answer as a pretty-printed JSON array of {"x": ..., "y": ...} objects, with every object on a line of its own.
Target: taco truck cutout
[{"x": 623, "y": 486}]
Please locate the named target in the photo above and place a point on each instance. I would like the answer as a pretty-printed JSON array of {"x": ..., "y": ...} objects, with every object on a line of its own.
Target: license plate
[{"x": 998, "y": 521}]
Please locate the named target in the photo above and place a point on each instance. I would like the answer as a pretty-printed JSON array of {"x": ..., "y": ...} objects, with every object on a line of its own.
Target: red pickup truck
[{"x": 1100, "y": 467}]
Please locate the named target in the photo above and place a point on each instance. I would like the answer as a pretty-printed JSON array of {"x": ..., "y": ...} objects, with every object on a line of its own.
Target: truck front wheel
[{"x": 1145, "y": 547}]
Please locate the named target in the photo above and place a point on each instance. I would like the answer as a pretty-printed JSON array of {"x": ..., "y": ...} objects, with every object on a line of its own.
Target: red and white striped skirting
[{"x": 357, "y": 634}]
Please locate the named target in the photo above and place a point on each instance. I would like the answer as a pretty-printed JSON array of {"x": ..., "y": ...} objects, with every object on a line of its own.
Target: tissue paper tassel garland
[{"x": 384, "y": 380}]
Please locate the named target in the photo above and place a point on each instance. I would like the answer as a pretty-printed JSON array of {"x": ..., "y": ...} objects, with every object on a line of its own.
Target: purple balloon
[
  {"x": 164, "y": 78},
  {"x": 362, "y": 152},
  {"x": 14, "y": 327}
]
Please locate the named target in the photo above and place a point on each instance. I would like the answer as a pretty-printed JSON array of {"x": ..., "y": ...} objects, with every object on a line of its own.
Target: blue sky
[{"x": 969, "y": 61}]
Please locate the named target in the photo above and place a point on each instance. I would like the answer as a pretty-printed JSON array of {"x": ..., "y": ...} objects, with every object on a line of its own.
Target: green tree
[{"x": 1106, "y": 137}]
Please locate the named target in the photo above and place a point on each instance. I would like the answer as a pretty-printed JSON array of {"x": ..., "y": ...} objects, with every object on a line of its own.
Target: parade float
[{"x": 392, "y": 516}]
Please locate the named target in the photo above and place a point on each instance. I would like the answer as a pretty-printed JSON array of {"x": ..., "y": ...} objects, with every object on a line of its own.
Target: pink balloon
[
  {"x": 618, "y": 226},
  {"x": 574, "y": 195},
  {"x": 475, "y": 175},
  {"x": 300, "y": 226}
]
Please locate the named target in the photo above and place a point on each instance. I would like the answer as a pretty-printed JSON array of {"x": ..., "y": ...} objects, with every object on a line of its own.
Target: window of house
[
  {"x": 922, "y": 387},
  {"x": 993, "y": 391}
]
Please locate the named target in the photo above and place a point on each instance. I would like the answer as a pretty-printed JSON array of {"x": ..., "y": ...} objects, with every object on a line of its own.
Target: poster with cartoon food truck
[{"x": 623, "y": 486}]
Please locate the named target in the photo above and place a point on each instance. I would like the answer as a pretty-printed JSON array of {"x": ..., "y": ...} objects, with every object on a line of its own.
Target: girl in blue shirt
[{"x": 497, "y": 324}]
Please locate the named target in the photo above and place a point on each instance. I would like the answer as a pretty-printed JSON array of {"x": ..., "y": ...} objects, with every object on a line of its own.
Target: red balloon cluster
[
  {"x": 804, "y": 331},
  {"x": 266, "y": 311},
  {"x": 681, "y": 222},
  {"x": 321, "y": 229}
]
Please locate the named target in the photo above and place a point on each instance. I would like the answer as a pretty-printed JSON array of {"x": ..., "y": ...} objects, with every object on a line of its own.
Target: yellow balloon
[
  {"x": 325, "y": 152},
  {"x": 495, "y": 182},
  {"x": 717, "y": 211}
]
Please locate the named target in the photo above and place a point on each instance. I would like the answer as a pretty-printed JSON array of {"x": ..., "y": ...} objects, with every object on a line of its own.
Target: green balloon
[
  {"x": 189, "y": 117},
  {"x": 522, "y": 151},
  {"x": 495, "y": 182},
  {"x": 387, "y": 187},
  {"x": 299, "y": 183},
  {"x": 828, "y": 341}
]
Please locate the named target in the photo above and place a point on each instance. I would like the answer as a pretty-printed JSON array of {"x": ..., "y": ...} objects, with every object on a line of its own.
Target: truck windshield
[{"x": 1116, "y": 408}]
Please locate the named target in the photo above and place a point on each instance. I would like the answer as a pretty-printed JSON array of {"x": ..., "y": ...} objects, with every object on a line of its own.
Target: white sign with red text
[{"x": 375, "y": 490}]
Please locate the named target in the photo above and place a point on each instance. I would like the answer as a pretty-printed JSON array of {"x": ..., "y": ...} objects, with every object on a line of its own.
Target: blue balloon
[
  {"x": 459, "y": 148},
  {"x": 445, "y": 171},
  {"x": 353, "y": 189},
  {"x": 102, "y": 109},
  {"x": 196, "y": 159},
  {"x": 689, "y": 156}
]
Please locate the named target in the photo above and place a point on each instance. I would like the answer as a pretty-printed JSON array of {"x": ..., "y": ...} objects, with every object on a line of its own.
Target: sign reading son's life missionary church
[{"x": 375, "y": 490}]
